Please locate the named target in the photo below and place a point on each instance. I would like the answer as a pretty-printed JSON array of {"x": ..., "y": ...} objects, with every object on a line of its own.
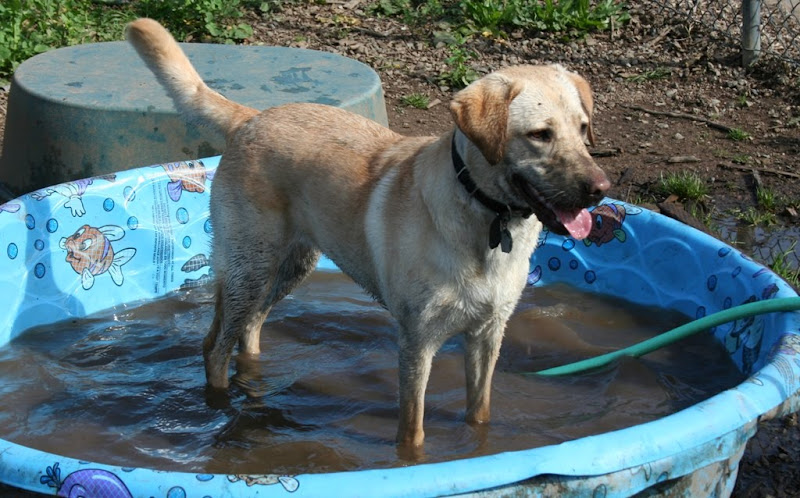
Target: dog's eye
[
  {"x": 544, "y": 135},
  {"x": 584, "y": 129}
]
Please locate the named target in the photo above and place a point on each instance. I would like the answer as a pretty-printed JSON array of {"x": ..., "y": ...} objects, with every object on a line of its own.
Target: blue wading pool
[{"x": 150, "y": 228}]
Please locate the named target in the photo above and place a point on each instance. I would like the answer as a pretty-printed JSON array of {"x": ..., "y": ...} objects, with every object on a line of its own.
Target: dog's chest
[{"x": 482, "y": 292}]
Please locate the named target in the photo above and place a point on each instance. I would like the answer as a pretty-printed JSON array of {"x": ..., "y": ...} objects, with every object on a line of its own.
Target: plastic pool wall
[{"x": 150, "y": 235}]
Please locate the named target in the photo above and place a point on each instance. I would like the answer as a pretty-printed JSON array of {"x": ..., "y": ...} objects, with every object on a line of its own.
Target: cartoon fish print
[
  {"x": 85, "y": 482},
  {"x": 607, "y": 220},
  {"x": 751, "y": 347},
  {"x": 192, "y": 283},
  {"x": 193, "y": 264},
  {"x": 196, "y": 262},
  {"x": 289, "y": 483},
  {"x": 90, "y": 253},
  {"x": 769, "y": 291},
  {"x": 186, "y": 175},
  {"x": 73, "y": 191},
  {"x": 789, "y": 345},
  {"x": 740, "y": 330}
]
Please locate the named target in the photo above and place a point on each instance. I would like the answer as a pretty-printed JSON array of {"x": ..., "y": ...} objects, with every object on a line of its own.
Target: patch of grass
[
  {"x": 416, "y": 100},
  {"x": 755, "y": 217},
  {"x": 412, "y": 12},
  {"x": 737, "y": 134},
  {"x": 197, "y": 19},
  {"x": 389, "y": 7},
  {"x": 493, "y": 16},
  {"x": 653, "y": 74},
  {"x": 686, "y": 185},
  {"x": 742, "y": 101},
  {"x": 460, "y": 73},
  {"x": 783, "y": 268},
  {"x": 791, "y": 203},
  {"x": 705, "y": 216},
  {"x": 29, "y": 27},
  {"x": 720, "y": 153},
  {"x": 767, "y": 199},
  {"x": 576, "y": 16},
  {"x": 640, "y": 199},
  {"x": 498, "y": 17},
  {"x": 742, "y": 158}
]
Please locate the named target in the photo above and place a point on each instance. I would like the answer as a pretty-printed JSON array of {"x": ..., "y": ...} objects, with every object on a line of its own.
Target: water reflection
[{"x": 765, "y": 244}]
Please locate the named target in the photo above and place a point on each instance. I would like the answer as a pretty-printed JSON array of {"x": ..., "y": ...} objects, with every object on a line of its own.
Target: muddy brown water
[{"x": 127, "y": 387}]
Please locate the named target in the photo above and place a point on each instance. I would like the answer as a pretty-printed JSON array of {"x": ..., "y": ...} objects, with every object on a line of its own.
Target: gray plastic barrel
[{"x": 93, "y": 109}]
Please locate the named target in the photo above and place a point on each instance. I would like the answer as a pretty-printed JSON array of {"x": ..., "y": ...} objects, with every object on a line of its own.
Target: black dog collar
[{"x": 498, "y": 230}]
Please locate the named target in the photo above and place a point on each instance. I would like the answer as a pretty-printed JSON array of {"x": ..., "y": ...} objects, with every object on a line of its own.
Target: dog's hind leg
[
  {"x": 237, "y": 314},
  {"x": 245, "y": 260},
  {"x": 251, "y": 281},
  {"x": 299, "y": 262}
]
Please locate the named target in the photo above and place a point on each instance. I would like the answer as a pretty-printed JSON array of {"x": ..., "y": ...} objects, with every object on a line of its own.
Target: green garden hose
[{"x": 676, "y": 334}]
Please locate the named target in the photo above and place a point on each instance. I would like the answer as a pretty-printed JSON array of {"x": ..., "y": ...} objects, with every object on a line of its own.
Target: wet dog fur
[{"x": 303, "y": 179}]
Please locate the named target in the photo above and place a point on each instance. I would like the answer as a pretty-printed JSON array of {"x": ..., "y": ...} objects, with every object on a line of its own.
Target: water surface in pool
[{"x": 127, "y": 387}]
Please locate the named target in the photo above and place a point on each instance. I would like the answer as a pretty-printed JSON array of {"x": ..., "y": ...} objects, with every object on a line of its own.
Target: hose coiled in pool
[{"x": 676, "y": 334}]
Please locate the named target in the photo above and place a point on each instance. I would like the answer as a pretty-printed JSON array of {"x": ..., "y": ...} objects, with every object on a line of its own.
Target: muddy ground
[{"x": 667, "y": 92}]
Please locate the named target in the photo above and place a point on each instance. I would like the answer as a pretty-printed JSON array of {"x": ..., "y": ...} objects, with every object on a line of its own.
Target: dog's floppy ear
[
  {"x": 585, "y": 92},
  {"x": 481, "y": 112}
]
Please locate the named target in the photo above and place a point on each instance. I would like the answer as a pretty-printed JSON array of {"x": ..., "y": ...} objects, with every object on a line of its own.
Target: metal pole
[{"x": 751, "y": 31}]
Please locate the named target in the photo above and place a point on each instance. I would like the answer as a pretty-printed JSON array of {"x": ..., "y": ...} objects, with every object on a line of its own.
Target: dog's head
[{"x": 531, "y": 125}]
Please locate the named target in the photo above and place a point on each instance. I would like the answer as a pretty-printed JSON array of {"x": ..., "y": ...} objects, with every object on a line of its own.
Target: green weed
[
  {"x": 754, "y": 217},
  {"x": 767, "y": 199},
  {"x": 738, "y": 134},
  {"x": 783, "y": 268},
  {"x": 742, "y": 101},
  {"x": 412, "y": 12},
  {"x": 460, "y": 73},
  {"x": 579, "y": 16},
  {"x": 498, "y": 17},
  {"x": 197, "y": 19},
  {"x": 640, "y": 199},
  {"x": 653, "y": 74},
  {"x": 416, "y": 100},
  {"x": 686, "y": 185},
  {"x": 704, "y": 215},
  {"x": 29, "y": 27}
]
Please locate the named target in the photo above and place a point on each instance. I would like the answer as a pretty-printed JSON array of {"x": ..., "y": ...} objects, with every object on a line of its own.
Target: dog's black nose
[{"x": 597, "y": 185}]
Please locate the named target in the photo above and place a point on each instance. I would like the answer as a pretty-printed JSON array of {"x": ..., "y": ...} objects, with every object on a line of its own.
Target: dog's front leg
[
  {"x": 482, "y": 350},
  {"x": 415, "y": 358}
]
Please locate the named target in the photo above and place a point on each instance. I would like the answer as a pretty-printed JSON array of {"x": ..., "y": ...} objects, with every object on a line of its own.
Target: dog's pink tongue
[{"x": 578, "y": 223}]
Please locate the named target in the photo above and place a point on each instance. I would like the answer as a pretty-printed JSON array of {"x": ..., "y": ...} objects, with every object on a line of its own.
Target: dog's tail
[{"x": 193, "y": 98}]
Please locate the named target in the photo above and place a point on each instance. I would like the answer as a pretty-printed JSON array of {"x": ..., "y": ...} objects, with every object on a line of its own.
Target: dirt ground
[{"x": 666, "y": 93}]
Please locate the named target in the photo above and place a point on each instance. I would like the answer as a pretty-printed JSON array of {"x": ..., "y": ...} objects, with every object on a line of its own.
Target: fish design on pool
[{"x": 90, "y": 253}]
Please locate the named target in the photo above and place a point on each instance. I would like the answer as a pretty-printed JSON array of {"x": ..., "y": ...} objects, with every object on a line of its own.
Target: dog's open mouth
[{"x": 575, "y": 222}]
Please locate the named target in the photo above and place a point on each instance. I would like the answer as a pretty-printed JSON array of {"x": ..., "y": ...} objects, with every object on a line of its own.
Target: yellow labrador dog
[{"x": 439, "y": 230}]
